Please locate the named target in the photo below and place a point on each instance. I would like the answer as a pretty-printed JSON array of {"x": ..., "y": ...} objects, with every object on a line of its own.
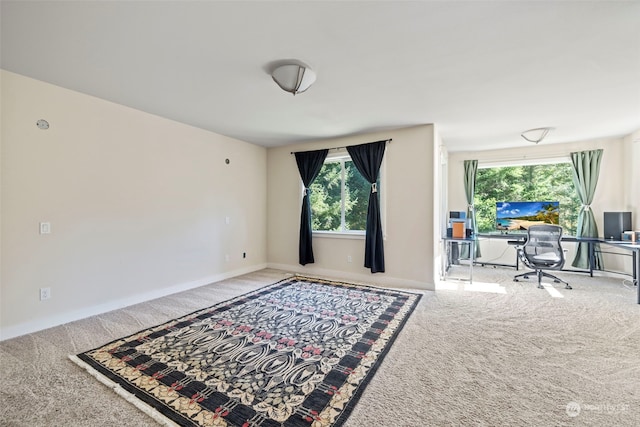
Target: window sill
[{"x": 339, "y": 235}]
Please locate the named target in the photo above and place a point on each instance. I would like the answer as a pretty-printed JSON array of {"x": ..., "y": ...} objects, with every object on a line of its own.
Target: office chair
[{"x": 542, "y": 251}]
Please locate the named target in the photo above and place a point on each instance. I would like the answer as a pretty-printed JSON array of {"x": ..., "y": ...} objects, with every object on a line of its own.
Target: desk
[
  {"x": 634, "y": 247},
  {"x": 447, "y": 251}
]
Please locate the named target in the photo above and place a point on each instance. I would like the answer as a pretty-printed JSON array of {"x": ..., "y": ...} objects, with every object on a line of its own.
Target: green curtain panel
[
  {"x": 470, "y": 169},
  {"x": 586, "y": 169},
  {"x": 309, "y": 165}
]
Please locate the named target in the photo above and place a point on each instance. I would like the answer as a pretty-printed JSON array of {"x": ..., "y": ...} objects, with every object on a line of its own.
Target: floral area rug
[{"x": 295, "y": 353}]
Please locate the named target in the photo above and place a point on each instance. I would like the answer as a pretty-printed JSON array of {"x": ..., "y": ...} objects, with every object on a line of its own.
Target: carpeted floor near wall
[{"x": 494, "y": 353}]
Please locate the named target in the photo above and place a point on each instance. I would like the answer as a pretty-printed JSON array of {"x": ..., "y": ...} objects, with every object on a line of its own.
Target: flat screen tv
[{"x": 514, "y": 216}]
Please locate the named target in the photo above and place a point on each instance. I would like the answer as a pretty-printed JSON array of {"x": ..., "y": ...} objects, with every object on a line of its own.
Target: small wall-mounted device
[{"x": 42, "y": 124}]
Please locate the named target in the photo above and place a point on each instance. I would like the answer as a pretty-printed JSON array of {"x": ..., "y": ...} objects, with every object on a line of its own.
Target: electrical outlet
[
  {"x": 45, "y": 228},
  {"x": 349, "y": 258},
  {"x": 45, "y": 293}
]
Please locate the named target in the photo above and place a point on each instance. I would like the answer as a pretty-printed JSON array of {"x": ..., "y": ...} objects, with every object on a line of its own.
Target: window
[
  {"x": 533, "y": 182},
  {"x": 340, "y": 197}
]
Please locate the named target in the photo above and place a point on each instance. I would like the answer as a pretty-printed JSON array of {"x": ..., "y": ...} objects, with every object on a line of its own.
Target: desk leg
[
  {"x": 592, "y": 257},
  {"x": 472, "y": 253},
  {"x": 636, "y": 269},
  {"x": 445, "y": 261}
]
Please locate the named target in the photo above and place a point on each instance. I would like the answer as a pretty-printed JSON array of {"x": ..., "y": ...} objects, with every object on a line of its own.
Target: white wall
[
  {"x": 409, "y": 214},
  {"x": 615, "y": 190},
  {"x": 441, "y": 181},
  {"x": 631, "y": 165},
  {"x": 137, "y": 206}
]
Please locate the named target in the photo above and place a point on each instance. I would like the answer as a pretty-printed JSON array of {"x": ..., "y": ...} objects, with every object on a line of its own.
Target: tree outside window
[
  {"x": 546, "y": 182},
  {"x": 339, "y": 197}
]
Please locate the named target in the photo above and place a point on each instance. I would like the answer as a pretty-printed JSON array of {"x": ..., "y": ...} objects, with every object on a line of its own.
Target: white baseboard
[
  {"x": 375, "y": 279},
  {"x": 59, "y": 319}
]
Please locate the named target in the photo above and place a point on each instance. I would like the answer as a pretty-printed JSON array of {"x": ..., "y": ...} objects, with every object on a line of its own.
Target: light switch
[{"x": 45, "y": 228}]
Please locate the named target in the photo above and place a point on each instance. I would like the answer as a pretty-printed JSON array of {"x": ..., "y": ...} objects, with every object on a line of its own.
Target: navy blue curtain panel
[
  {"x": 367, "y": 158},
  {"x": 309, "y": 165}
]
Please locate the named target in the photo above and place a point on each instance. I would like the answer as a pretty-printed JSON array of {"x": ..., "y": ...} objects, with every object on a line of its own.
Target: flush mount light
[
  {"x": 535, "y": 135},
  {"x": 294, "y": 77}
]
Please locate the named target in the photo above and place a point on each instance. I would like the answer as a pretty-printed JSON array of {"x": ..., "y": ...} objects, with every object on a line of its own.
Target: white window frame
[
  {"x": 524, "y": 161},
  {"x": 491, "y": 164},
  {"x": 341, "y": 156}
]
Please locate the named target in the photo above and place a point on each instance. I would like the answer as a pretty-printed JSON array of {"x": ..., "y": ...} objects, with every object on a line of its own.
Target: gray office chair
[{"x": 542, "y": 251}]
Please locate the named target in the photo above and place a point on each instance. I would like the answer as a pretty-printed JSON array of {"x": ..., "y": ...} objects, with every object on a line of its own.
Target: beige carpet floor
[{"x": 494, "y": 353}]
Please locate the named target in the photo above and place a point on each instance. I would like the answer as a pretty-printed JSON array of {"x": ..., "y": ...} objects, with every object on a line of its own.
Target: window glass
[
  {"x": 542, "y": 182},
  {"x": 340, "y": 197}
]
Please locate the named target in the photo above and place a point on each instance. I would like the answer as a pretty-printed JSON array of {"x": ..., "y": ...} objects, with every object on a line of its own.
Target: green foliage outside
[
  {"x": 553, "y": 182},
  {"x": 326, "y": 200},
  {"x": 358, "y": 190}
]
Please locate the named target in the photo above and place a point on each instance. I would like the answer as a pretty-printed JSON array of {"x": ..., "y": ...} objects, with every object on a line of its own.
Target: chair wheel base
[{"x": 547, "y": 275}]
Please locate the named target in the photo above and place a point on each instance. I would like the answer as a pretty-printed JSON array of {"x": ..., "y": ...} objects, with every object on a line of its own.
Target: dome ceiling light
[
  {"x": 535, "y": 135},
  {"x": 294, "y": 77}
]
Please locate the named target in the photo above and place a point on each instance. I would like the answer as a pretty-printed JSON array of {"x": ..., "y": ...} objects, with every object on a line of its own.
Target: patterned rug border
[
  {"x": 126, "y": 395},
  {"x": 342, "y": 418},
  {"x": 138, "y": 399}
]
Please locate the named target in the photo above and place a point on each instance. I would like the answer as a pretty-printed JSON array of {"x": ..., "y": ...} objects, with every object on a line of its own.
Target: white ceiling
[{"x": 483, "y": 71}]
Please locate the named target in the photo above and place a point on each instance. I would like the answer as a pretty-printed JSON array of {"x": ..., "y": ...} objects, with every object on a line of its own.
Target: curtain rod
[
  {"x": 525, "y": 158},
  {"x": 342, "y": 148}
]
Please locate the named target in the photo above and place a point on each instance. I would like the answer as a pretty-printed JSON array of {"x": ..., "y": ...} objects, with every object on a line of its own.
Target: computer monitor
[{"x": 515, "y": 216}]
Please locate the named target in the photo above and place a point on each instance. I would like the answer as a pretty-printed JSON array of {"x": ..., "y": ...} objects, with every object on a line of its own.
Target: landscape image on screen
[{"x": 520, "y": 215}]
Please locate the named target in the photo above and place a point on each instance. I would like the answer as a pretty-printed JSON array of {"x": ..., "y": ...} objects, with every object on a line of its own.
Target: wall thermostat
[{"x": 42, "y": 124}]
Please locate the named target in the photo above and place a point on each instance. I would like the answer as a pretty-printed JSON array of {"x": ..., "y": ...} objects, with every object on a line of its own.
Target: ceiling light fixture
[
  {"x": 535, "y": 135},
  {"x": 294, "y": 77}
]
